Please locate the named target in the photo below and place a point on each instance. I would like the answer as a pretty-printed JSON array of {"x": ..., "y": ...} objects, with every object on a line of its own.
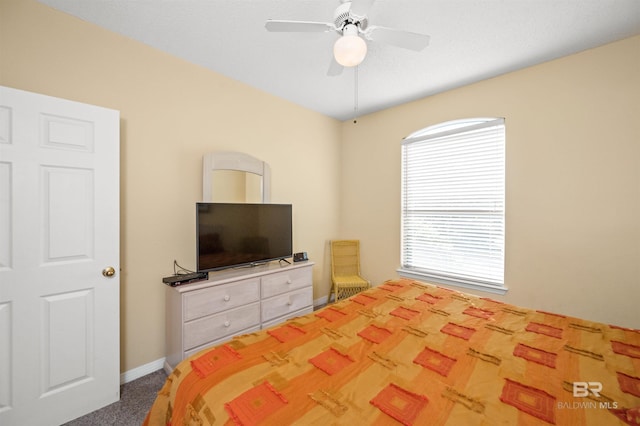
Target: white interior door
[{"x": 59, "y": 229}]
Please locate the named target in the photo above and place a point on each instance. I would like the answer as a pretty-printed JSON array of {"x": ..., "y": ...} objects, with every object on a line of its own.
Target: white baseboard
[
  {"x": 318, "y": 303},
  {"x": 143, "y": 370}
]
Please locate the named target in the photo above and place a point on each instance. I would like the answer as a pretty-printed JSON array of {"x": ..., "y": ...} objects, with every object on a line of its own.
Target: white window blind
[{"x": 453, "y": 203}]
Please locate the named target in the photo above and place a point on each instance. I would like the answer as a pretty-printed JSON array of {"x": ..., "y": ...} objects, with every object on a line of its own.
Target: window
[{"x": 453, "y": 204}]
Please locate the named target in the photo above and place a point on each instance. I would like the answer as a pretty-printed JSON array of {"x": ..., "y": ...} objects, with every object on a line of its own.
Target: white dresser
[{"x": 234, "y": 302}]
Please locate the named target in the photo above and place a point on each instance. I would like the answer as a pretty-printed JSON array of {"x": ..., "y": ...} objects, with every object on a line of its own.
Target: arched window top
[
  {"x": 453, "y": 204},
  {"x": 453, "y": 126}
]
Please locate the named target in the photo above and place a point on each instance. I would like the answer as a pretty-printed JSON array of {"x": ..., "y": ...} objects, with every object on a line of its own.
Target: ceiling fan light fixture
[{"x": 350, "y": 49}]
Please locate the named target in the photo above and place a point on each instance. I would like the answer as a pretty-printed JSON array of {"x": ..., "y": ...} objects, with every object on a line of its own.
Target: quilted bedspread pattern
[{"x": 407, "y": 352}]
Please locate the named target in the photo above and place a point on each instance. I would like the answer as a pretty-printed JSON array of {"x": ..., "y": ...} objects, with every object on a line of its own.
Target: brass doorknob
[{"x": 108, "y": 272}]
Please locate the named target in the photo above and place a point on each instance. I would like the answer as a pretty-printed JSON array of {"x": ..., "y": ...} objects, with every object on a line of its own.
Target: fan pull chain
[{"x": 355, "y": 94}]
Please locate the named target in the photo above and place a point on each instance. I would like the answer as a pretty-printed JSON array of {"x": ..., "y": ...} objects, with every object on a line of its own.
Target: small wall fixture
[{"x": 350, "y": 49}]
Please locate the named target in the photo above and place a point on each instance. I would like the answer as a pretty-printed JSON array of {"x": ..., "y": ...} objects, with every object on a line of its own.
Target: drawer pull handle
[
  {"x": 289, "y": 302},
  {"x": 227, "y": 323},
  {"x": 226, "y": 298},
  {"x": 288, "y": 281}
]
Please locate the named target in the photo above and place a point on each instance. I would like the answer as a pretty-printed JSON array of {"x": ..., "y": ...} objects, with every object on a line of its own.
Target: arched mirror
[{"x": 235, "y": 177}]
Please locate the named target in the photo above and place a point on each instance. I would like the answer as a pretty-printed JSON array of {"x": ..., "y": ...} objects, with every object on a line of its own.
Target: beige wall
[
  {"x": 573, "y": 171},
  {"x": 172, "y": 112},
  {"x": 573, "y": 180}
]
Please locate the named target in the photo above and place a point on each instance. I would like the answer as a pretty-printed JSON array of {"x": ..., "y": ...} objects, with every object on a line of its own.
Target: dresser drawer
[
  {"x": 213, "y": 327},
  {"x": 218, "y": 342},
  {"x": 280, "y": 320},
  {"x": 285, "y": 304},
  {"x": 200, "y": 303},
  {"x": 283, "y": 282}
]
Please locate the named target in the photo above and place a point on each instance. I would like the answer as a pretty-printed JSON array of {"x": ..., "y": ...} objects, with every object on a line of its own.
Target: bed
[{"x": 407, "y": 352}]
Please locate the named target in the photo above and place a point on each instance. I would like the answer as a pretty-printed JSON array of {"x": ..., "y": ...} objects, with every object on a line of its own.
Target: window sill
[{"x": 406, "y": 273}]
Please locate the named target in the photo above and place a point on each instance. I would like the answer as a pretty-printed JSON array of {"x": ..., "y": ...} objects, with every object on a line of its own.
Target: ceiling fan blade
[
  {"x": 335, "y": 68},
  {"x": 298, "y": 26},
  {"x": 399, "y": 38},
  {"x": 360, "y": 8}
]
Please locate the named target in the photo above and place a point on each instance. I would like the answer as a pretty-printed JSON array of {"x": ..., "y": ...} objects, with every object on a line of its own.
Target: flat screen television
[{"x": 238, "y": 234}]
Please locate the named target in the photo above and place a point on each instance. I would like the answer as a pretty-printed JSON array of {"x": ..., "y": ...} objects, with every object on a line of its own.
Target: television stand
[{"x": 231, "y": 302}]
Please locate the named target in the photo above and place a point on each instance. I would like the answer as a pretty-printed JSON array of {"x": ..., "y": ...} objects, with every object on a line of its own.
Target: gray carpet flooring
[{"x": 136, "y": 398}]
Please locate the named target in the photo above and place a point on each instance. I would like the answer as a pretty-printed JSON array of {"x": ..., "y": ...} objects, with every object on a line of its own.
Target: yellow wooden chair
[{"x": 345, "y": 269}]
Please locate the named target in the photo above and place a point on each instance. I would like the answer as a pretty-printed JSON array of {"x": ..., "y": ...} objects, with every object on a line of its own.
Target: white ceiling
[{"x": 471, "y": 40}]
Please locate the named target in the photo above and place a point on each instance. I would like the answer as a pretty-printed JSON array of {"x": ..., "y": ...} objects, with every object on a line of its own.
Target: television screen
[{"x": 239, "y": 234}]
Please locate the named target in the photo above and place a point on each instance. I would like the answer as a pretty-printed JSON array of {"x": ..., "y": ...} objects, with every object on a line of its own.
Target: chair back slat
[{"x": 345, "y": 257}]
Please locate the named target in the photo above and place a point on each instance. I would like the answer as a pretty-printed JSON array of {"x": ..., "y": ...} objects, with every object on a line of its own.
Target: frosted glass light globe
[{"x": 350, "y": 49}]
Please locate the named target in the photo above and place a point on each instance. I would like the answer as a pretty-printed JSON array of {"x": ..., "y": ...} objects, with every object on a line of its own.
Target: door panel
[
  {"x": 59, "y": 219},
  {"x": 5, "y": 356},
  {"x": 67, "y": 339},
  {"x": 67, "y": 133},
  {"x": 5, "y": 215},
  {"x": 68, "y": 213}
]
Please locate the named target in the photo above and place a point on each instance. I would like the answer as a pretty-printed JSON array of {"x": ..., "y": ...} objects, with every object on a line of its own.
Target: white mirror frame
[{"x": 229, "y": 160}]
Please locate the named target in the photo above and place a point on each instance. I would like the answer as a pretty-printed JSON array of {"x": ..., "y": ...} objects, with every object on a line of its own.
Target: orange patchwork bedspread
[{"x": 410, "y": 353}]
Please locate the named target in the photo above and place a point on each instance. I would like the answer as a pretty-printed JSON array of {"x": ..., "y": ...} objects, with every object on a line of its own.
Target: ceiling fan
[{"x": 352, "y": 23}]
